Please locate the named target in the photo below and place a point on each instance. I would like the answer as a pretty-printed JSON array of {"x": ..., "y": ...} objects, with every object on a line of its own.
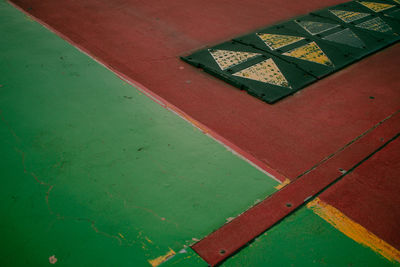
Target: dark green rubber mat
[{"x": 279, "y": 60}]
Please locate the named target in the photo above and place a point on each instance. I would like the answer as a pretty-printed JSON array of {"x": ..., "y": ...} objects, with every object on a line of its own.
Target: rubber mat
[{"x": 314, "y": 45}]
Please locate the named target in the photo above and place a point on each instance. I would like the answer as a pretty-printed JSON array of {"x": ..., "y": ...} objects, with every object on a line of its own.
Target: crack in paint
[
  {"x": 9, "y": 127},
  {"x": 120, "y": 238},
  {"x": 57, "y": 215},
  {"x": 126, "y": 205}
]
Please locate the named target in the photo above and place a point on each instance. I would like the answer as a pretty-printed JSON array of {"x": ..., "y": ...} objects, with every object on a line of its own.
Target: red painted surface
[
  {"x": 370, "y": 195},
  {"x": 232, "y": 236},
  {"x": 143, "y": 39}
]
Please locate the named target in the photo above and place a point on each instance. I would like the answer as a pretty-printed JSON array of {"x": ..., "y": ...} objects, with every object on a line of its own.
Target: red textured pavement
[
  {"x": 144, "y": 39},
  {"x": 370, "y": 195}
]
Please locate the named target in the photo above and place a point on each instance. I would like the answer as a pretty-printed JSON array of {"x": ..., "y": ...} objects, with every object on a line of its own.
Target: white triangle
[
  {"x": 314, "y": 28},
  {"x": 226, "y": 58},
  {"x": 276, "y": 41},
  {"x": 266, "y": 71},
  {"x": 375, "y": 24},
  {"x": 348, "y": 16}
]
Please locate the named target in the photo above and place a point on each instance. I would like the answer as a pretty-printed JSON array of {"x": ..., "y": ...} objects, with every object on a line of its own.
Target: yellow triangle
[
  {"x": 226, "y": 58},
  {"x": 276, "y": 41},
  {"x": 348, "y": 16},
  {"x": 266, "y": 71},
  {"x": 377, "y": 7},
  {"x": 310, "y": 52}
]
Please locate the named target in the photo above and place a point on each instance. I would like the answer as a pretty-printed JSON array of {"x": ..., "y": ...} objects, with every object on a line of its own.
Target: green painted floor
[
  {"x": 302, "y": 239},
  {"x": 93, "y": 172}
]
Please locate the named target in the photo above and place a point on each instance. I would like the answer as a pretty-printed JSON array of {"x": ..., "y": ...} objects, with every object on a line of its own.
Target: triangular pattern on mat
[
  {"x": 266, "y": 71},
  {"x": 376, "y": 7},
  {"x": 375, "y": 24},
  {"x": 314, "y": 28},
  {"x": 348, "y": 16},
  {"x": 346, "y": 37},
  {"x": 276, "y": 41},
  {"x": 310, "y": 52},
  {"x": 226, "y": 58}
]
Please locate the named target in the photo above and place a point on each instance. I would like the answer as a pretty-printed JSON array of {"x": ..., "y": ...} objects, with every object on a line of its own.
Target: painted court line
[{"x": 353, "y": 230}]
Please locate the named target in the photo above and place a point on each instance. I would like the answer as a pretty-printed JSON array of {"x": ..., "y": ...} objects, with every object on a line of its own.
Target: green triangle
[
  {"x": 346, "y": 37},
  {"x": 316, "y": 27}
]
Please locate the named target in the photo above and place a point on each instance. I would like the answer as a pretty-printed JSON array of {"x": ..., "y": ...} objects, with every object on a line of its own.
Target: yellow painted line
[
  {"x": 353, "y": 230},
  {"x": 282, "y": 185},
  {"x": 161, "y": 259}
]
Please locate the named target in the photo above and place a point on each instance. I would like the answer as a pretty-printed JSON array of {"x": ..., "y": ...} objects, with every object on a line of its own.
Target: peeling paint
[
  {"x": 182, "y": 251},
  {"x": 53, "y": 259},
  {"x": 121, "y": 235},
  {"x": 353, "y": 230},
  {"x": 163, "y": 258},
  {"x": 229, "y": 219},
  {"x": 282, "y": 185}
]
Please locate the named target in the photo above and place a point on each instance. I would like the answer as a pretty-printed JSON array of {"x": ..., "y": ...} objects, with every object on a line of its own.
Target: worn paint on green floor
[
  {"x": 95, "y": 173},
  {"x": 302, "y": 239}
]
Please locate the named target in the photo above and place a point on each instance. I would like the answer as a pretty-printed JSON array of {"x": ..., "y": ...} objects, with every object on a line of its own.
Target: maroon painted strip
[{"x": 232, "y": 236}]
